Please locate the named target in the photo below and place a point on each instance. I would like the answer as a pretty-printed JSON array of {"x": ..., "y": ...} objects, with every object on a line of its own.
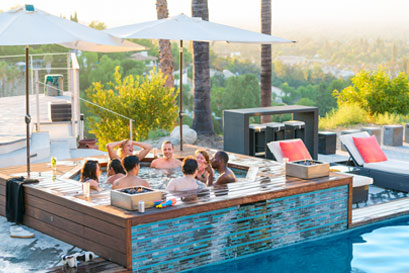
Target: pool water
[
  {"x": 159, "y": 178},
  {"x": 377, "y": 248}
]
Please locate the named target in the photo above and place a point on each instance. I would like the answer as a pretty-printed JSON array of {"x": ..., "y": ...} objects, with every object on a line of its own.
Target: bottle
[
  {"x": 86, "y": 189},
  {"x": 285, "y": 161}
]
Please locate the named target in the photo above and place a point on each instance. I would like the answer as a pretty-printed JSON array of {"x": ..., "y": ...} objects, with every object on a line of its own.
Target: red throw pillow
[
  {"x": 369, "y": 149},
  {"x": 294, "y": 150}
]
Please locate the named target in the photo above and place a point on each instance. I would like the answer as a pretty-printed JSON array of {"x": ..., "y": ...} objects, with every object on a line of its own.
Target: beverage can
[{"x": 141, "y": 206}]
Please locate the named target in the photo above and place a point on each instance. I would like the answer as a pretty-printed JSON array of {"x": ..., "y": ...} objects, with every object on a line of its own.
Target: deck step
[
  {"x": 39, "y": 150},
  {"x": 379, "y": 212}
]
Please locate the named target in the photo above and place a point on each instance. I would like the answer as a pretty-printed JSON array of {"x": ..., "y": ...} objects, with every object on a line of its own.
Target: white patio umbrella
[
  {"x": 29, "y": 26},
  {"x": 182, "y": 27}
]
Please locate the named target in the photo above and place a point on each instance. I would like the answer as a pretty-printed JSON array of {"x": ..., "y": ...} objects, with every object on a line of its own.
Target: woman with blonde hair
[
  {"x": 205, "y": 170},
  {"x": 125, "y": 148}
]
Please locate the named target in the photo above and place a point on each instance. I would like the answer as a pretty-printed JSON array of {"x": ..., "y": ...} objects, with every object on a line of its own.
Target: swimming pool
[{"x": 382, "y": 247}]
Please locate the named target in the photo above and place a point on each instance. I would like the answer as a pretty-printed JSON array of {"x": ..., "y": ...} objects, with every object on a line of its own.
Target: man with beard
[{"x": 219, "y": 162}]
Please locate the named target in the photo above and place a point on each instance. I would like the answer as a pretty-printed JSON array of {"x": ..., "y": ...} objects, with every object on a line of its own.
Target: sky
[{"x": 286, "y": 14}]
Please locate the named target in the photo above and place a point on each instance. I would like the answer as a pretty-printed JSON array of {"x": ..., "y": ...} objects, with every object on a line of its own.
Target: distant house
[{"x": 143, "y": 56}]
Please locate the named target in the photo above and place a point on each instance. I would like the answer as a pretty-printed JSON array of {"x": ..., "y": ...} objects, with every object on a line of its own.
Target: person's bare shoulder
[
  {"x": 157, "y": 163},
  {"x": 176, "y": 163},
  {"x": 171, "y": 184},
  {"x": 142, "y": 182}
]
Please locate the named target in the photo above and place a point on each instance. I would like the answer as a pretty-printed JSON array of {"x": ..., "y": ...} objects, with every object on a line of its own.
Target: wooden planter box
[
  {"x": 301, "y": 170},
  {"x": 131, "y": 201}
]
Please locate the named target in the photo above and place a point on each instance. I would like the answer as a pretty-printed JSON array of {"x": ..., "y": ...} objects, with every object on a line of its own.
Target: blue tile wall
[{"x": 205, "y": 238}]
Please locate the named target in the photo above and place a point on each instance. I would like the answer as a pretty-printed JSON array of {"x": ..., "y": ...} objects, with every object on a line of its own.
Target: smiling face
[
  {"x": 201, "y": 160},
  {"x": 215, "y": 161},
  {"x": 127, "y": 148},
  {"x": 167, "y": 150}
]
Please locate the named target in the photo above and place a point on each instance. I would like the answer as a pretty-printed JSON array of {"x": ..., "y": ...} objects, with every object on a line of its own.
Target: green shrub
[
  {"x": 345, "y": 115},
  {"x": 144, "y": 99},
  {"x": 377, "y": 93},
  {"x": 389, "y": 118}
]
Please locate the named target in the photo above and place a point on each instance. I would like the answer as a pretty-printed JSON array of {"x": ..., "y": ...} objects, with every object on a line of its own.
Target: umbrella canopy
[
  {"x": 29, "y": 26},
  {"x": 182, "y": 27}
]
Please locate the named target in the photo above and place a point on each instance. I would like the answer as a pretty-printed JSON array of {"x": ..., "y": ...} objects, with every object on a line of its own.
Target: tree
[
  {"x": 74, "y": 17},
  {"x": 165, "y": 50},
  {"x": 240, "y": 92},
  {"x": 377, "y": 93},
  {"x": 98, "y": 25},
  {"x": 202, "y": 117},
  {"x": 144, "y": 99},
  {"x": 265, "y": 75}
]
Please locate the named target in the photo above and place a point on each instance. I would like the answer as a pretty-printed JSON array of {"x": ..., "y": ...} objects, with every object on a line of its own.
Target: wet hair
[
  {"x": 224, "y": 156},
  {"x": 89, "y": 170},
  {"x": 130, "y": 162},
  {"x": 121, "y": 148},
  {"x": 116, "y": 165},
  {"x": 204, "y": 154},
  {"x": 189, "y": 165}
]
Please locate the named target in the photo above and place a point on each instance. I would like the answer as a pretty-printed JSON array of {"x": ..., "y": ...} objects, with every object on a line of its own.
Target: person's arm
[
  {"x": 210, "y": 176},
  {"x": 111, "y": 149},
  {"x": 145, "y": 149},
  {"x": 227, "y": 177},
  {"x": 93, "y": 184}
]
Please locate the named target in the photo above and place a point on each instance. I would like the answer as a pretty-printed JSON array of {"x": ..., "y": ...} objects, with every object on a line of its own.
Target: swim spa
[{"x": 266, "y": 210}]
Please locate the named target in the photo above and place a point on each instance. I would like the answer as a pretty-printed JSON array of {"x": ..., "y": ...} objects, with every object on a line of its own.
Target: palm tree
[
  {"x": 202, "y": 116},
  {"x": 165, "y": 49},
  {"x": 265, "y": 75}
]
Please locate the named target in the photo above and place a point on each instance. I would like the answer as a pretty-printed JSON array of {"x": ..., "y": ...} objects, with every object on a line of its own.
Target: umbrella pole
[
  {"x": 181, "y": 94},
  {"x": 27, "y": 117}
]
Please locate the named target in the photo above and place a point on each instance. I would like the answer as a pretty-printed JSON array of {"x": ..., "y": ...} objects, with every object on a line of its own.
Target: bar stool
[
  {"x": 257, "y": 139},
  {"x": 294, "y": 129},
  {"x": 274, "y": 132}
]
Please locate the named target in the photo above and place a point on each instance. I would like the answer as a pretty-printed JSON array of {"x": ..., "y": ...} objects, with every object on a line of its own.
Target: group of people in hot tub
[{"x": 123, "y": 167}]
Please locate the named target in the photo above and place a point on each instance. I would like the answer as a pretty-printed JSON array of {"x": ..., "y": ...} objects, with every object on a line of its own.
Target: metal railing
[
  {"x": 103, "y": 108},
  {"x": 113, "y": 112}
]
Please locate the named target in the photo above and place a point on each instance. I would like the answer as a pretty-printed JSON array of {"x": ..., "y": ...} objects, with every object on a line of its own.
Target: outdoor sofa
[{"x": 359, "y": 183}]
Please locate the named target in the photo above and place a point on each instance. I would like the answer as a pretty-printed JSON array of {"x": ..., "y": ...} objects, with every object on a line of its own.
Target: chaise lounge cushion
[
  {"x": 369, "y": 149},
  {"x": 390, "y": 166},
  {"x": 294, "y": 150}
]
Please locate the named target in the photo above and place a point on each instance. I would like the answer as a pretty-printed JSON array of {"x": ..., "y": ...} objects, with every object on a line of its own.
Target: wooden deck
[
  {"x": 374, "y": 213},
  {"x": 57, "y": 208}
]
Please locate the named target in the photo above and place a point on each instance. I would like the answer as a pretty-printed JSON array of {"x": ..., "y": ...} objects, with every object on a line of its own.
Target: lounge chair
[
  {"x": 359, "y": 183},
  {"x": 389, "y": 174}
]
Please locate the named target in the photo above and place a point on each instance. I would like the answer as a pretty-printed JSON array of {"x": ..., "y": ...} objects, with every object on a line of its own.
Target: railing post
[{"x": 130, "y": 129}]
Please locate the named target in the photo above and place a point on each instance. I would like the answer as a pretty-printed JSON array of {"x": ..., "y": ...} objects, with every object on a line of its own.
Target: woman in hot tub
[{"x": 90, "y": 172}]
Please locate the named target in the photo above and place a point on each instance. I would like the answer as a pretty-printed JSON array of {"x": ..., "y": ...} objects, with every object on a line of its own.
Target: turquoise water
[
  {"x": 159, "y": 179},
  {"x": 376, "y": 248}
]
